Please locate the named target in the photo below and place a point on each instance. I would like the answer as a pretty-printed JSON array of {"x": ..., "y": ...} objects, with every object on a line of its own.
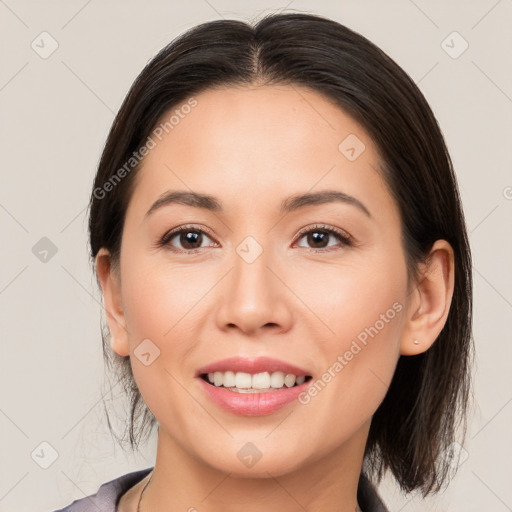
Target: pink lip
[
  {"x": 252, "y": 404},
  {"x": 258, "y": 365}
]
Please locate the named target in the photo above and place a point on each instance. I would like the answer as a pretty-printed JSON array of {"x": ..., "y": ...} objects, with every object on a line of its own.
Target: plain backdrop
[{"x": 56, "y": 110}]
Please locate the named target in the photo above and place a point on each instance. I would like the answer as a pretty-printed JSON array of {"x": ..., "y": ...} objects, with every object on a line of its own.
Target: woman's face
[{"x": 261, "y": 277}]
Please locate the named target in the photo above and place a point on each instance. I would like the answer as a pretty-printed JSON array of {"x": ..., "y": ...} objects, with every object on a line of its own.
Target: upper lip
[{"x": 257, "y": 365}]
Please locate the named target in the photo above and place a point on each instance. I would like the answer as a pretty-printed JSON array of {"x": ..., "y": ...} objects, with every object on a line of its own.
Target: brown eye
[
  {"x": 318, "y": 237},
  {"x": 189, "y": 239}
]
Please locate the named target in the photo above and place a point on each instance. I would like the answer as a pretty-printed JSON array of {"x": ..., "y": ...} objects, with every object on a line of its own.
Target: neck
[{"x": 181, "y": 481}]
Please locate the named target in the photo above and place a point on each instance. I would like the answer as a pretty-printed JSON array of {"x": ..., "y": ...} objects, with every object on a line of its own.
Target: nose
[{"x": 254, "y": 296}]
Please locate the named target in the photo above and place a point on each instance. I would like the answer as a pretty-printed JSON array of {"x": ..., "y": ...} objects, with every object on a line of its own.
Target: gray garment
[{"x": 109, "y": 494}]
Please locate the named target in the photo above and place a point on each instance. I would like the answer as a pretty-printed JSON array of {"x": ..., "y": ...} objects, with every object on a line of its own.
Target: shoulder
[
  {"x": 108, "y": 495},
  {"x": 368, "y": 498}
]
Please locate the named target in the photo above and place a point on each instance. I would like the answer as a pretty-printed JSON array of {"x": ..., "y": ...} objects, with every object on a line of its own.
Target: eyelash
[{"x": 345, "y": 239}]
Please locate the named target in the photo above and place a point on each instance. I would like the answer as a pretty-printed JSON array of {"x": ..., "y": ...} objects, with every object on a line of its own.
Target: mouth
[
  {"x": 253, "y": 387},
  {"x": 263, "y": 382}
]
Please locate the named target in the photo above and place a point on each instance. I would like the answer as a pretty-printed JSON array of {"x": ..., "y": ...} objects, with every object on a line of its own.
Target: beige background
[{"x": 55, "y": 115}]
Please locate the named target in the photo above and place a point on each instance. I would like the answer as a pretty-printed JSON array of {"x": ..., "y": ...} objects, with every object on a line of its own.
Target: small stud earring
[{"x": 416, "y": 342}]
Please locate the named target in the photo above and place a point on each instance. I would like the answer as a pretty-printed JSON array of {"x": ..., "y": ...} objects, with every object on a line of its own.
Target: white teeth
[
  {"x": 246, "y": 381},
  {"x": 229, "y": 380},
  {"x": 289, "y": 380},
  {"x": 243, "y": 380},
  {"x": 277, "y": 380},
  {"x": 218, "y": 378},
  {"x": 261, "y": 380}
]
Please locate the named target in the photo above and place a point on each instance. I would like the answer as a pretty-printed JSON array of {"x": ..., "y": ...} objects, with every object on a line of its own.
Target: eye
[
  {"x": 319, "y": 235},
  {"x": 190, "y": 238}
]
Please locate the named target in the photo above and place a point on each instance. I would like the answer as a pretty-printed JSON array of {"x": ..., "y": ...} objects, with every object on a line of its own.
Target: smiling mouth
[{"x": 243, "y": 382}]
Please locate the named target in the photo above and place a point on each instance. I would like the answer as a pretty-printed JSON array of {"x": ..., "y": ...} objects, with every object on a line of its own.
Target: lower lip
[{"x": 253, "y": 404}]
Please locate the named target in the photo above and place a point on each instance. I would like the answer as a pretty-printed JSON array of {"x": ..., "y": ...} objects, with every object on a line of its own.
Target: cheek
[
  {"x": 159, "y": 300},
  {"x": 353, "y": 300},
  {"x": 362, "y": 311},
  {"x": 161, "y": 304}
]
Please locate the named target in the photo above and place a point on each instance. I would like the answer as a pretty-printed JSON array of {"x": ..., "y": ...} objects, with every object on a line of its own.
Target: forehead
[{"x": 249, "y": 143}]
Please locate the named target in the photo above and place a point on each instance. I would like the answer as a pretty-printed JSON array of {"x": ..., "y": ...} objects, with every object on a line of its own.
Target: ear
[
  {"x": 110, "y": 282},
  {"x": 430, "y": 300}
]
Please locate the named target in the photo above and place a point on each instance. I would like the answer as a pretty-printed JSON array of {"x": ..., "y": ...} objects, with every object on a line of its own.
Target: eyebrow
[{"x": 290, "y": 204}]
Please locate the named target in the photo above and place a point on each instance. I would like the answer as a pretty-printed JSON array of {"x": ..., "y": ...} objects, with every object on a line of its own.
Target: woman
[{"x": 278, "y": 235}]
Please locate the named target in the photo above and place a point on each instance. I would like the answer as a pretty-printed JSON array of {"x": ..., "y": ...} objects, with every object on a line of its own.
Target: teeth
[
  {"x": 217, "y": 379},
  {"x": 246, "y": 381},
  {"x": 289, "y": 380},
  {"x": 261, "y": 380},
  {"x": 242, "y": 380},
  {"x": 229, "y": 379},
  {"x": 277, "y": 380}
]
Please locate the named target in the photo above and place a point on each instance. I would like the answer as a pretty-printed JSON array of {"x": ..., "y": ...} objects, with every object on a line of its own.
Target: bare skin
[
  {"x": 252, "y": 148},
  {"x": 130, "y": 499}
]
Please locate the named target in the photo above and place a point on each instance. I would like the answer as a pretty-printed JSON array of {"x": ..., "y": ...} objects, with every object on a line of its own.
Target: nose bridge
[
  {"x": 252, "y": 297},
  {"x": 251, "y": 274}
]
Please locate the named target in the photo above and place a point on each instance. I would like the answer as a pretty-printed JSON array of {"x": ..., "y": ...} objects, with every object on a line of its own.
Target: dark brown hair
[{"x": 427, "y": 400}]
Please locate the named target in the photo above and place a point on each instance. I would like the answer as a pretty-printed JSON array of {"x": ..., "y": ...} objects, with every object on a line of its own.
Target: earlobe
[
  {"x": 110, "y": 284},
  {"x": 430, "y": 301}
]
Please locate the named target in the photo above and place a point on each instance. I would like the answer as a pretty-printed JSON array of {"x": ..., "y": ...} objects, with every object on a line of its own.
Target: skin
[{"x": 252, "y": 147}]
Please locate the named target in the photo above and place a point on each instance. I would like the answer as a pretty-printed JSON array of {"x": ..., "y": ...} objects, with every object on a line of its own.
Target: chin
[{"x": 248, "y": 461}]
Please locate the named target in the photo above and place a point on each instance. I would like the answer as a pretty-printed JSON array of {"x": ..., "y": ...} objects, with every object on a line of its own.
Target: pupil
[
  {"x": 317, "y": 236},
  {"x": 191, "y": 237}
]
